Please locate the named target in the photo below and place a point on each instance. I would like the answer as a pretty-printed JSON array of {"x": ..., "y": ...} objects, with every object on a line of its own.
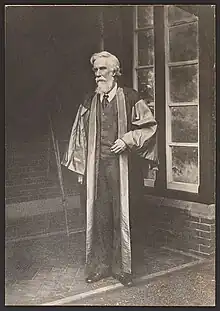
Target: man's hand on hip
[{"x": 119, "y": 146}]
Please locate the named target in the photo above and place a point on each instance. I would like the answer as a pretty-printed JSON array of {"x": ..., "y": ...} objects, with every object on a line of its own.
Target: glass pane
[
  {"x": 183, "y": 43},
  {"x": 146, "y": 47},
  {"x": 145, "y": 15},
  {"x": 183, "y": 84},
  {"x": 177, "y": 15},
  {"x": 184, "y": 122},
  {"x": 146, "y": 84},
  {"x": 185, "y": 164}
]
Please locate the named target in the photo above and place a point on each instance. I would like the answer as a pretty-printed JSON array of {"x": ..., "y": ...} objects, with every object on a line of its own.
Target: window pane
[
  {"x": 146, "y": 84},
  {"x": 177, "y": 15},
  {"x": 145, "y": 15},
  {"x": 146, "y": 47},
  {"x": 185, "y": 164},
  {"x": 183, "y": 84},
  {"x": 184, "y": 122},
  {"x": 183, "y": 43}
]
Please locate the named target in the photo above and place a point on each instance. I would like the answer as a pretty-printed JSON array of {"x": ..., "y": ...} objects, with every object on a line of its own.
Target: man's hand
[
  {"x": 119, "y": 146},
  {"x": 80, "y": 179}
]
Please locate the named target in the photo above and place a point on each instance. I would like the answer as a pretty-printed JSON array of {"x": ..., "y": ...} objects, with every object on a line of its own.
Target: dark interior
[{"x": 47, "y": 67}]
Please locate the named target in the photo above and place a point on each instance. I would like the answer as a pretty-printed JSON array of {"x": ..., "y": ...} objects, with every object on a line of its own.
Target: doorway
[{"x": 47, "y": 69}]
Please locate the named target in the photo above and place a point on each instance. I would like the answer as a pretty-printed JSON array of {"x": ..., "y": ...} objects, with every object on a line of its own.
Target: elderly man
[{"x": 110, "y": 126}]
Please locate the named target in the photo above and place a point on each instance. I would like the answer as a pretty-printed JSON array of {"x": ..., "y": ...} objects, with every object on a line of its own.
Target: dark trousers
[{"x": 106, "y": 250}]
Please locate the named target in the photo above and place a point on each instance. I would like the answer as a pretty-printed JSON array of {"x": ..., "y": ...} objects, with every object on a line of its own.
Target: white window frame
[
  {"x": 147, "y": 181},
  {"x": 173, "y": 185},
  {"x": 189, "y": 187}
]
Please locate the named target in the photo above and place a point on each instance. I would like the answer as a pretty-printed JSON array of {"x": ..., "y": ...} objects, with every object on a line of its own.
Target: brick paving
[{"x": 45, "y": 269}]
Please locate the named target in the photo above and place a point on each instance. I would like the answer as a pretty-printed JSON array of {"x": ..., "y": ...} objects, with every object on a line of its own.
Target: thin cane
[
  {"x": 56, "y": 151},
  {"x": 64, "y": 202},
  {"x": 48, "y": 156}
]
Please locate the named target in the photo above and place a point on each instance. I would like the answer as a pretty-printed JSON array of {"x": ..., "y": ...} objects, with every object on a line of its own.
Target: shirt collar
[{"x": 111, "y": 94}]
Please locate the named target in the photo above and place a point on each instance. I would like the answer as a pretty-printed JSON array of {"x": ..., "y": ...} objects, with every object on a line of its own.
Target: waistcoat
[{"x": 108, "y": 128}]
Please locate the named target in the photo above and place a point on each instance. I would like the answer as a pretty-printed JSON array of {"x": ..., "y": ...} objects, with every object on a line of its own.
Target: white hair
[{"x": 115, "y": 64}]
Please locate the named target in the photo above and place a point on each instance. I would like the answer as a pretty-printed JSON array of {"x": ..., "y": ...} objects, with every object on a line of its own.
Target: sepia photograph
[{"x": 110, "y": 155}]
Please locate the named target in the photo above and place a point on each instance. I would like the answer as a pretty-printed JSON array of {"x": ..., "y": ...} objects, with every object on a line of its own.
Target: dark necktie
[{"x": 105, "y": 101}]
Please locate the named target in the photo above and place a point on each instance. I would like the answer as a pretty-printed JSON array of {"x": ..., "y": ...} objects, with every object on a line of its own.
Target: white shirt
[{"x": 111, "y": 94}]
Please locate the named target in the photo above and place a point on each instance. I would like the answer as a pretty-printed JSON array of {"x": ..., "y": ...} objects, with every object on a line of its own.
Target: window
[
  {"x": 143, "y": 74},
  {"x": 182, "y": 99},
  {"x": 181, "y": 88}
]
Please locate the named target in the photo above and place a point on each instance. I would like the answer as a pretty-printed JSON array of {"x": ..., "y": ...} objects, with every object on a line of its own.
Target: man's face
[{"x": 104, "y": 75}]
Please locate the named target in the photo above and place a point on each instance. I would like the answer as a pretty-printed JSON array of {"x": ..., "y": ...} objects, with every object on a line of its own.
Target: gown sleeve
[
  {"x": 75, "y": 155},
  {"x": 142, "y": 139}
]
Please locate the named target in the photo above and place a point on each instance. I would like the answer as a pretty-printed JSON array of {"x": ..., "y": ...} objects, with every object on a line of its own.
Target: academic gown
[{"x": 138, "y": 129}]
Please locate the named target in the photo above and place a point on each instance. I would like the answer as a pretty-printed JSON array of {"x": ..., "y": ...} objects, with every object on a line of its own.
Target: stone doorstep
[
  {"x": 195, "y": 209},
  {"x": 37, "y": 207}
]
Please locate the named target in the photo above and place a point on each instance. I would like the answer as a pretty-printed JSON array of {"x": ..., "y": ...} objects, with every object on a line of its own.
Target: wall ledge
[
  {"x": 37, "y": 207},
  {"x": 206, "y": 211}
]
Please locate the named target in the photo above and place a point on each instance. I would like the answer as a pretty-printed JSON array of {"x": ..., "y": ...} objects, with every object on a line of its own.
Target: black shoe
[
  {"x": 97, "y": 277},
  {"x": 124, "y": 278}
]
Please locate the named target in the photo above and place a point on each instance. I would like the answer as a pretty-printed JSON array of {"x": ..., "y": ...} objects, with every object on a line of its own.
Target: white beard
[{"x": 104, "y": 86}]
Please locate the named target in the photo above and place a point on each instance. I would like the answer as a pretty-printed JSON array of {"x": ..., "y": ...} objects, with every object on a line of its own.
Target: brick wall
[
  {"x": 202, "y": 235},
  {"x": 28, "y": 176},
  {"x": 187, "y": 226}
]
